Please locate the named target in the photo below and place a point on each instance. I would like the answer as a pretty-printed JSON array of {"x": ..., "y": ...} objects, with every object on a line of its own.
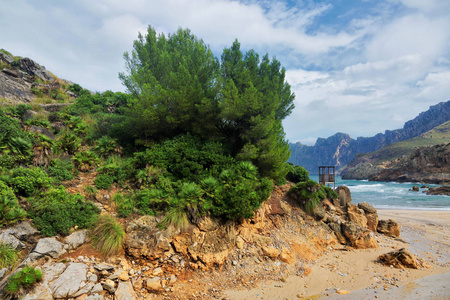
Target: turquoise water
[{"x": 392, "y": 195}]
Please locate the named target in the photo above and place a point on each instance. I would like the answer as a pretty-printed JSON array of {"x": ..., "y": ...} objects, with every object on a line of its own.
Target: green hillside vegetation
[
  {"x": 194, "y": 136},
  {"x": 436, "y": 136}
]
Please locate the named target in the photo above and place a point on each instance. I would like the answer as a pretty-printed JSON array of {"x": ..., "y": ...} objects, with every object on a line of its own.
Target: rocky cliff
[
  {"x": 340, "y": 149},
  {"x": 427, "y": 164}
]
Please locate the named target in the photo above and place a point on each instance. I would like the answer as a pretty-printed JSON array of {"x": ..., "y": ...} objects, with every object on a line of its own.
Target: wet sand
[{"x": 355, "y": 274}]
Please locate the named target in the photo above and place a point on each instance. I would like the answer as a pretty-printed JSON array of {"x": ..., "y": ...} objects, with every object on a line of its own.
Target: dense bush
[
  {"x": 116, "y": 169},
  {"x": 15, "y": 144},
  {"x": 309, "y": 194},
  {"x": 85, "y": 161},
  {"x": 61, "y": 170},
  {"x": 297, "y": 174},
  {"x": 107, "y": 235},
  {"x": 240, "y": 192},
  {"x": 24, "y": 279},
  {"x": 186, "y": 158},
  {"x": 10, "y": 210},
  {"x": 28, "y": 181},
  {"x": 56, "y": 211}
]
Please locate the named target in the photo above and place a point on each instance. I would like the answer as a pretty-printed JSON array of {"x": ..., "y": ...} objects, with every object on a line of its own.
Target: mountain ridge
[{"x": 339, "y": 149}]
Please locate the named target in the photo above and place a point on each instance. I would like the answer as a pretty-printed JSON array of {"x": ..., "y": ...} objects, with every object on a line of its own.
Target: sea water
[{"x": 393, "y": 195}]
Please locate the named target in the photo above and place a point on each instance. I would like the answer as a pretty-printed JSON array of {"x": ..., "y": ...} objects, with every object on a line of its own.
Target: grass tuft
[
  {"x": 8, "y": 256},
  {"x": 108, "y": 235}
]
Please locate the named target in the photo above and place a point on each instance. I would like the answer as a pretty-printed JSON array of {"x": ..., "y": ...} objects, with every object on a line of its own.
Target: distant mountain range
[{"x": 340, "y": 149}]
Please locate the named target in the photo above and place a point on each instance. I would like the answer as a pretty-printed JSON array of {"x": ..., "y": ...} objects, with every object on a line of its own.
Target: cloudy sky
[{"x": 358, "y": 67}]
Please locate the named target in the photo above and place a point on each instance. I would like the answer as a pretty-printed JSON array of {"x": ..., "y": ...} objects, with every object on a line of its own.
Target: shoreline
[{"x": 356, "y": 272}]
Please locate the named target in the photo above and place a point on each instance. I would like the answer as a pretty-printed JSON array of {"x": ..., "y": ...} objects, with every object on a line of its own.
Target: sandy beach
[{"x": 355, "y": 274}]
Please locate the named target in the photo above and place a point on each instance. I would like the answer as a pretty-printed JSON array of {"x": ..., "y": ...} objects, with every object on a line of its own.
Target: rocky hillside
[
  {"x": 22, "y": 78},
  {"x": 427, "y": 164},
  {"x": 393, "y": 156},
  {"x": 340, "y": 149},
  {"x": 170, "y": 264}
]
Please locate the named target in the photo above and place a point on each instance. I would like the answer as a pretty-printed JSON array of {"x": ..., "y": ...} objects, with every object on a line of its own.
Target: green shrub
[
  {"x": 25, "y": 278},
  {"x": 176, "y": 216},
  {"x": 124, "y": 205},
  {"x": 85, "y": 160},
  {"x": 28, "y": 181},
  {"x": 297, "y": 174},
  {"x": 57, "y": 211},
  {"x": 115, "y": 169},
  {"x": 90, "y": 192},
  {"x": 241, "y": 192},
  {"x": 106, "y": 146},
  {"x": 68, "y": 142},
  {"x": 61, "y": 170},
  {"x": 15, "y": 144},
  {"x": 104, "y": 181},
  {"x": 8, "y": 256},
  {"x": 10, "y": 210},
  {"x": 107, "y": 235},
  {"x": 309, "y": 194}
]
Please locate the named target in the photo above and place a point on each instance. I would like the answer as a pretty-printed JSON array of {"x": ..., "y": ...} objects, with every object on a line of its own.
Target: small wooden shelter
[{"x": 327, "y": 176}]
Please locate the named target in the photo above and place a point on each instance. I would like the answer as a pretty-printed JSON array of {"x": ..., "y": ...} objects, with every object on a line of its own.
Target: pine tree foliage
[{"x": 180, "y": 87}]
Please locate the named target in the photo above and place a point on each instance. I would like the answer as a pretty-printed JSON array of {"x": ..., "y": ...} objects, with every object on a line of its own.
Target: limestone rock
[
  {"x": 24, "y": 232},
  {"x": 400, "y": 259},
  {"x": 208, "y": 224},
  {"x": 76, "y": 239},
  {"x": 359, "y": 237},
  {"x": 372, "y": 221},
  {"x": 15, "y": 89},
  {"x": 344, "y": 195},
  {"x": 367, "y": 207},
  {"x": 125, "y": 291},
  {"x": 94, "y": 297},
  {"x": 356, "y": 215},
  {"x": 153, "y": 284},
  {"x": 72, "y": 282},
  {"x": 8, "y": 239},
  {"x": 337, "y": 230},
  {"x": 270, "y": 251},
  {"x": 389, "y": 227},
  {"x": 103, "y": 267},
  {"x": 41, "y": 291},
  {"x": 286, "y": 256},
  {"x": 108, "y": 285},
  {"x": 43, "y": 131},
  {"x": 48, "y": 247},
  {"x": 240, "y": 243},
  {"x": 33, "y": 68},
  {"x": 6, "y": 58}
]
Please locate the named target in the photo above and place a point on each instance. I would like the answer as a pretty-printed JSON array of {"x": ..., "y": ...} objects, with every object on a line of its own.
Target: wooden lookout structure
[{"x": 327, "y": 176}]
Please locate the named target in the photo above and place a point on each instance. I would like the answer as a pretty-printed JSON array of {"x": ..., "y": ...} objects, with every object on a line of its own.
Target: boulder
[
  {"x": 34, "y": 69},
  {"x": 372, "y": 221},
  {"x": 441, "y": 190},
  {"x": 43, "y": 131},
  {"x": 270, "y": 252},
  {"x": 338, "y": 231},
  {"x": 125, "y": 291},
  {"x": 48, "y": 247},
  {"x": 389, "y": 227},
  {"x": 368, "y": 209},
  {"x": 344, "y": 195},
  {"x": 72, "y": 282},
  {"x": 359, "y": 237},
  {"x": 5, "y": 58},
  {"x": 415, "y": 188},
  {"x": 153, "y": 284},
  {"x": 9, "y": 239},
  {"x": 286, "y": 256},
  {"x": 356, "y": 215},
  {"x": 76, "y": 239},
  {"x": 109, "y": 286},
  {"x": 400, "y": 259},
  {"x": 15, "y": 89}
]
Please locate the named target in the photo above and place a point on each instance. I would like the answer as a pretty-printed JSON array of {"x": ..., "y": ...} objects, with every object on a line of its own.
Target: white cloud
[{"x": 361, "y": 77}]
